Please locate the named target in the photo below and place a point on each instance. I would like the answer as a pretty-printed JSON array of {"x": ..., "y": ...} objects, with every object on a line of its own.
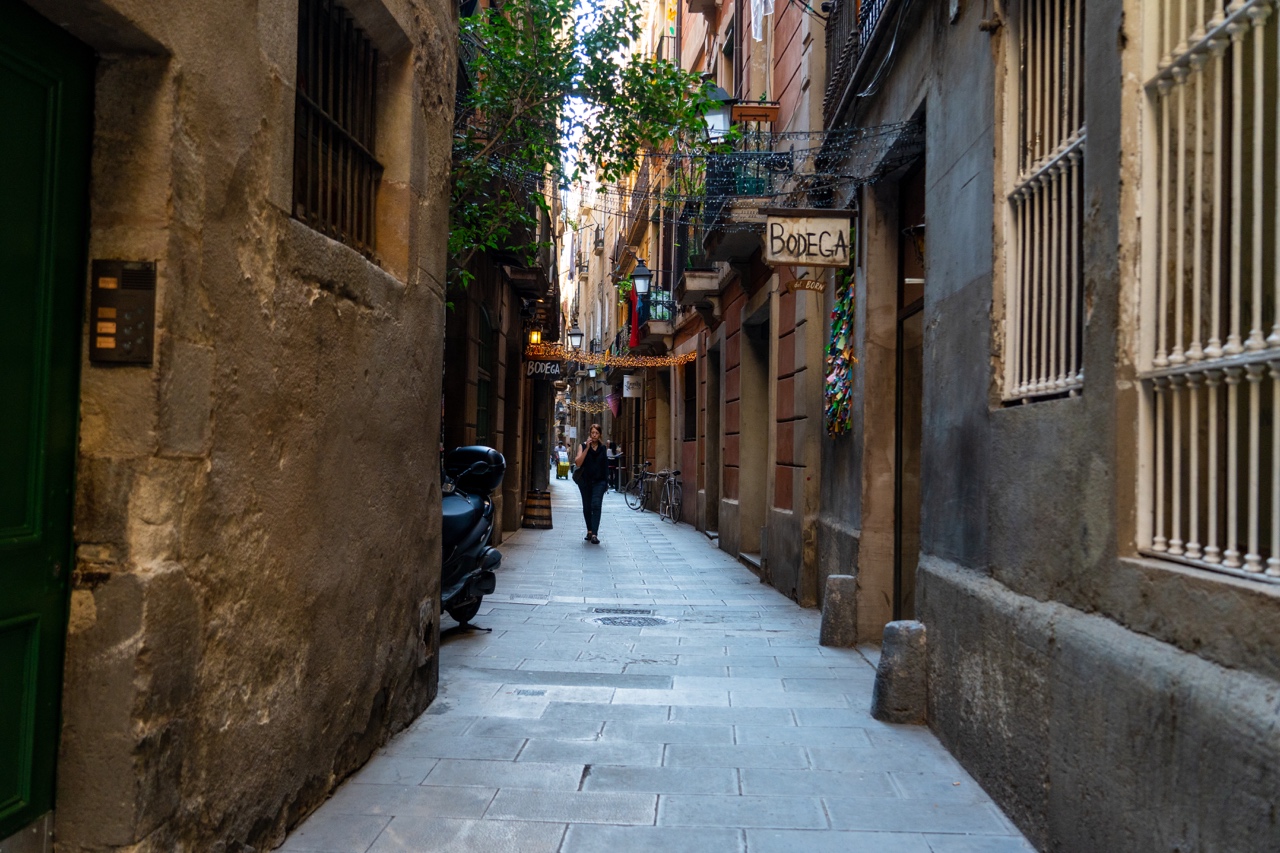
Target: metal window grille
[
  {"x": 1211, "y": 351},
  {"x": 1044, "y": 307},
  {"x": 335, "y": 173}
]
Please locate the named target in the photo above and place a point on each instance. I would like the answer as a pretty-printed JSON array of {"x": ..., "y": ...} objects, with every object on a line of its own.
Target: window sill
[
  {"x": 336, "y": 268},
  {"x": 1230, "y": 620}
]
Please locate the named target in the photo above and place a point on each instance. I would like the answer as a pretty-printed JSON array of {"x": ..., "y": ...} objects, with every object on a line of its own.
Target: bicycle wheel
[
  {"x": 676, "y": 500},
  {"x": 634, "y": 493}
]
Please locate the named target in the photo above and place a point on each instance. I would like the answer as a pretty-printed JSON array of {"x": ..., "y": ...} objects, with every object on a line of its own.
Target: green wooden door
[{"x": 46, "y": 104}]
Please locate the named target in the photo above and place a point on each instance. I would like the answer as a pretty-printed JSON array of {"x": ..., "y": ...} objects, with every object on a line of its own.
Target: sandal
[{"x": 595, "y": 540}]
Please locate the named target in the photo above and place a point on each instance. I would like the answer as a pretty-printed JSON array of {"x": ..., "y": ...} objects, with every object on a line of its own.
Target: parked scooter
[{"x": 471, "y": 474}]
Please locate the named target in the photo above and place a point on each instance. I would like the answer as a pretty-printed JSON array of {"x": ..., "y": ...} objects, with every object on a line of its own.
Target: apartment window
[
  {"x": 1211, "y": 284},
  {"x": 335, "y": 173},
  {"x": 1044, "y": 310}
]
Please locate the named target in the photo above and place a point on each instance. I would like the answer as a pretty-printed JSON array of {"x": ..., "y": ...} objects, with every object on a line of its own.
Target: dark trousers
[{"x": 592, "y": 499}]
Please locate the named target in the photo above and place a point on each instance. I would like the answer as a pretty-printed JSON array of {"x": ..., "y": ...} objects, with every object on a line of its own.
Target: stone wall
[
  {"x": 1107, "y": 702},
  {"x": 257, "y": 514}
]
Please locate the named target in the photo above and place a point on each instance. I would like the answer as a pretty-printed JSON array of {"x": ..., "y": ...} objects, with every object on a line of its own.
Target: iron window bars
[
  {"x": 335, "y": 173},
  {"x": 1210, "y": 364},
  {"x": 1044, "y": 301}
]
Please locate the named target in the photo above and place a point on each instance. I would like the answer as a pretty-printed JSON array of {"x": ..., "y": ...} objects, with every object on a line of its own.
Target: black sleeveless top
[{"x": 595, "y": 466}]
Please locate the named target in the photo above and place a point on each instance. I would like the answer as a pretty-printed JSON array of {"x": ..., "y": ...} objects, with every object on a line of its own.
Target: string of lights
[
  {"x": 839, "y": 157},
  {"x": 556, "y": 352},
  {"x": 589, "y": 408}
]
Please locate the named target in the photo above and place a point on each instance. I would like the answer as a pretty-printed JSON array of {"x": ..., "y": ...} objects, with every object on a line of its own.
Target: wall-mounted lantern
[{"x": 642, "y": 277}]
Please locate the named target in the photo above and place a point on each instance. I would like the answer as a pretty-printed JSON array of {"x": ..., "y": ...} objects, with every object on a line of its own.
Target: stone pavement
[{"x": 722, "y": 727}]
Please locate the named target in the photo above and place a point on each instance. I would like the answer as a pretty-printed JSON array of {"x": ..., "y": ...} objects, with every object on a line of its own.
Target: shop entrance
[{"x": 713, "y": 439}]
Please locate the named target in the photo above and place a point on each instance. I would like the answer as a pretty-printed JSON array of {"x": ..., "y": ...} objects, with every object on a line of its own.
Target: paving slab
[
  {"x": 576, "y": 807},
  {"x": 652, "y": 839},
  {"x": 501, "y": 775},
  {"x": 442, "y": 835},
  {"x": 790, "y": 841},
  {"x": 741, "y": 811},
  {"x": 726, "y": 729},
  {"x": 662, "y": 780},
  {"x": 333, "y": 832}
]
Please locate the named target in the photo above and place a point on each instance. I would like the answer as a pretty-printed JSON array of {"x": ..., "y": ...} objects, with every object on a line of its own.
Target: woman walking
[{"x": 591, "y": 460}]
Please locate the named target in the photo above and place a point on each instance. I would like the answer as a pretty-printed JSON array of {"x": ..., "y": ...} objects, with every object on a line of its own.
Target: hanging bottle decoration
[{"x": 838, "y": 387}]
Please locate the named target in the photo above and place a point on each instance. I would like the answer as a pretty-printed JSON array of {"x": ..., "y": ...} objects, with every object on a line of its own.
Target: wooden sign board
[
  {"x": 546, "y": 371},
  {"x": 815, "y": 284},
  {"x": 810, "y": 241}
]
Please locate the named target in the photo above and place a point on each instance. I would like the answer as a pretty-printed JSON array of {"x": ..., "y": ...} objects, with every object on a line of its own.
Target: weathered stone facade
[
  {"x": 1105, "y": 699},
  {"x": 257, "y": 543}
]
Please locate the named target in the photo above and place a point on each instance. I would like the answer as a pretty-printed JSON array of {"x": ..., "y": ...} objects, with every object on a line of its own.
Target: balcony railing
[
  {"x": 849, "y": 30},
  {"x": 690, "y": 231},
  {"x": 869, "y": 14},
  {"x": 842, "y": 53},
  {"x": 661, "y": 307},
  {"x": 621, "y": 342},
  {"x": 754, "y": 171}
]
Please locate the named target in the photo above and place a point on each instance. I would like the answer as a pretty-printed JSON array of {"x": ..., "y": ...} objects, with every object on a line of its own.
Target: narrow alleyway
[{"x": 708, "y": 720}]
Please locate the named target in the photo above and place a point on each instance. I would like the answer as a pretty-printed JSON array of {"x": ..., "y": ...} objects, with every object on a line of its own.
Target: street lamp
[
  {"x": 575, "y": 337},
  {"x": 717, "y": 118},
  {"x": 535, "y": 336},
  {"x": 641, "y": 276}
]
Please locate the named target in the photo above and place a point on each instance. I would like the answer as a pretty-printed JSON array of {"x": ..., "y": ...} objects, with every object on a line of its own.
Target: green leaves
[{"x": 553, "y": 94}]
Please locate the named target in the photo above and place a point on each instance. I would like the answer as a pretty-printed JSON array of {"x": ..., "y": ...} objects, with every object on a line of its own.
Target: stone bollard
[
  {"x": 900, "y": 694},
  {"x": 839, "y": 612}
]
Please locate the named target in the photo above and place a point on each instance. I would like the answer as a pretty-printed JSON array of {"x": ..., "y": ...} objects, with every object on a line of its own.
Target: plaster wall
[{"x": 257, "y": 568}]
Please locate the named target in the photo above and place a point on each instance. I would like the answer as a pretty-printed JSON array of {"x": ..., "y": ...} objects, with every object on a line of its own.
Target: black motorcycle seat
[{"x": 460, "y": 513}]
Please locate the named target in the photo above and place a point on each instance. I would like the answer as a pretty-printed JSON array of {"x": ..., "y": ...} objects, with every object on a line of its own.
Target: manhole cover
[
  {"x": 630, "y": 621},
  {"x": 622, "y": 611}
]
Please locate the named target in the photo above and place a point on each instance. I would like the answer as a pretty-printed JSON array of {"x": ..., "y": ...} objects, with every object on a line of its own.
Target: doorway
[
  {"x": 908, "y": 391},
  {"x": 46, "y": 106},
  {"x": 753, "y": 455},
  {"x": 712, "y": 442}
]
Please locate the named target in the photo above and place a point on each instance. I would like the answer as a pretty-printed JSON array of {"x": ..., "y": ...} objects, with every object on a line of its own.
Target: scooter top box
[{"x": 485, "y": 478}]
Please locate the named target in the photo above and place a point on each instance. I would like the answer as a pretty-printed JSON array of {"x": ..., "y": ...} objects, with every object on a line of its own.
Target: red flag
[{"x": 635, "y": 318}]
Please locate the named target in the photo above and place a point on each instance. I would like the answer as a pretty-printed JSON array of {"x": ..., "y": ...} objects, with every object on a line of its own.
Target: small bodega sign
[{"x": 811, "y": 238}]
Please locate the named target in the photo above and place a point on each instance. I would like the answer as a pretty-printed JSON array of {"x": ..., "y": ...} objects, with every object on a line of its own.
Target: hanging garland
[
  {"x": 589, "y": 408},
  {"x": 838, "y": 390},
  {"x": 555, "y": 352}
]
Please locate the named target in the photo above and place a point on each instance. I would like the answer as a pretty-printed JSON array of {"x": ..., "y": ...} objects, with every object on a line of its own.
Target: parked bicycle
[
  {"x": 672, "y": 500},
  {"x": 664, "y": 484},
  {"x": 636, "y": 493}
]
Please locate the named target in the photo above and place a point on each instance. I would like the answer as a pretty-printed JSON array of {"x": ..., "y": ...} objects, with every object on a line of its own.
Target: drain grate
[
  {"x": 622, "y": 611},
  {"x": 531, "y": 693},
  {"x": 632, "y": 621}
]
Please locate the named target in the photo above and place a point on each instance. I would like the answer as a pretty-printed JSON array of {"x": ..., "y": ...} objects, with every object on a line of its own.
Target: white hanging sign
[
  {"x": 632, "y": 385},
  {"x": 811, "y": 241}
]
